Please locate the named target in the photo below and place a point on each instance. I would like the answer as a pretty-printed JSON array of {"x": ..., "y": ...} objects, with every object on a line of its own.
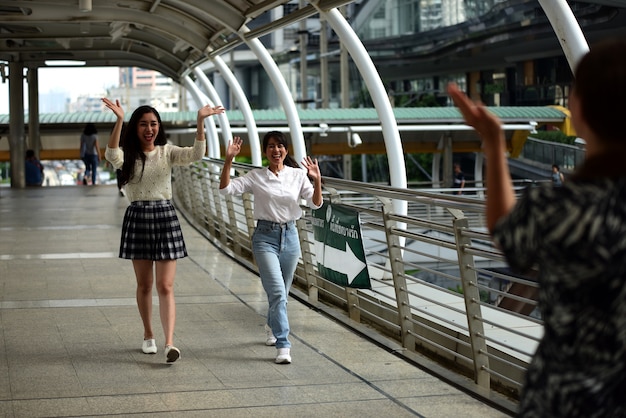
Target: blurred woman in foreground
[{"x": 576, "y": 235}]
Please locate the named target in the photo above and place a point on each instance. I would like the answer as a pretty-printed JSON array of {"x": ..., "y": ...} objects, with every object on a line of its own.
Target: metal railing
[
  {"x": 441, "y": 293},
  {"x": 567, "y": 157}
]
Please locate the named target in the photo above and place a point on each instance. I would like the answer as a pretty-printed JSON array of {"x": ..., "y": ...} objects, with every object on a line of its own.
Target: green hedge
[{"x": 554, "y": 136}]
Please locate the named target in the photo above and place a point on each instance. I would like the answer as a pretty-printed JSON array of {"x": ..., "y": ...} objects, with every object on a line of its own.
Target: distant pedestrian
[
  {"x": 33, "y": 169},
  {"x": 90, "y": 152},
  {"x": 151, "y": 233},
  {"x": 557, "y": 176},
  {"x": 459, "y": 179}
]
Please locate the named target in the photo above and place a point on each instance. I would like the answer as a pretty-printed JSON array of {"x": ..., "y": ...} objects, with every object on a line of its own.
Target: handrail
[
  {"x": 567, "y": 157},
  {"x": 440, "y": 288}
]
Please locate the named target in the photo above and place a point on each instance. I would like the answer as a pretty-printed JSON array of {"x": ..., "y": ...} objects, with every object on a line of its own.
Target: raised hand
[
  {"x": 208, "y": 110},
  {"x": 312, "y": 168},
  {"x": 476, "y": 115},
  {"x": 115, "y": 107},
  {"x": 234, "y": 147}
]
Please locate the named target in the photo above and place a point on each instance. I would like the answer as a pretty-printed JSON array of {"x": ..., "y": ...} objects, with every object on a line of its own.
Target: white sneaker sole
[
  {"x": 172, "y": 355},
  {"x": 283, "y": 357},
  {"x": 271, "y": 340}
]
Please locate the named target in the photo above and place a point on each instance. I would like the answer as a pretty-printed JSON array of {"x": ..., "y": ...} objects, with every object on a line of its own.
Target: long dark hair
[
  {"x": 601, "y": 70},
  {"x": 90, "y": 129},
  {"x": 132, "y": 145},
  {"x": 282, "y": 139}
]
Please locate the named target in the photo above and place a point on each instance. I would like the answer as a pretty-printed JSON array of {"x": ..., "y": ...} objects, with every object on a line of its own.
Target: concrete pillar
[
  {"x": 529, "y": 73},
  {"x": 448, "y": 156},
  {"x": 34, "y": 136},
  {"x": 304, "y": 87},
  {"x": 347, "y": 167},
  {"x": 16, "y": 124},
  {"x": 436, "y": 170},
  {"x": 324, "y": 87},
  {"x": 344, "y": 75},
  {"x": 473, "y": 85},
  {"x": 344, "y": 71},
  {"x": 222, "y": 90}
]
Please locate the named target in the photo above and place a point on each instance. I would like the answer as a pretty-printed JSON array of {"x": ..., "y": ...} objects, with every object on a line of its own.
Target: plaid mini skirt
[{"x": 151, "y": 231}]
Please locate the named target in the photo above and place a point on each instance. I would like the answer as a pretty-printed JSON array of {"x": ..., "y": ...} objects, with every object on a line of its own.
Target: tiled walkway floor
[{"x": 70, "y": 333}]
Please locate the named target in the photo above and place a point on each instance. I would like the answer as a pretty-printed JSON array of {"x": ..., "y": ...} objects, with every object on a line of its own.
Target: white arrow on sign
[{"x": 341, "y": 261}]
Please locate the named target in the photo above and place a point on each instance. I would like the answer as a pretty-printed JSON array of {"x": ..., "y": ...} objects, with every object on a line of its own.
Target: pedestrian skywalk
[{"x": 70, "y": 333}]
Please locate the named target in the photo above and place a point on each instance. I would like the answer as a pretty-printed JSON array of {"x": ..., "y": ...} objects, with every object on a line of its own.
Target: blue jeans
[
  {"x": 276, "y": 249},
  {"x": 91, "y": 165}
]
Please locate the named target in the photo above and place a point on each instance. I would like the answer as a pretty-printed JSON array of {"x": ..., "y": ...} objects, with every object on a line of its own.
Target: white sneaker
[
  {"x": 149, "y": 346},
  {"x": 271, "y": 340},
  {"x": 283, "y": 356},
  {"x": 171, "y": 353}
]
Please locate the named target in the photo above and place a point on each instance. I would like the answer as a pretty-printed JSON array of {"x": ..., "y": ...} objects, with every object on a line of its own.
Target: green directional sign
[{"x": 339, "y": 246}]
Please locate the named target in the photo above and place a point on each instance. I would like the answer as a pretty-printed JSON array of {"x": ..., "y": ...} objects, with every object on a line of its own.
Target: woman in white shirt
[
  {"x": 151, "y": 233},
  {"x": 277, "y": 191}
]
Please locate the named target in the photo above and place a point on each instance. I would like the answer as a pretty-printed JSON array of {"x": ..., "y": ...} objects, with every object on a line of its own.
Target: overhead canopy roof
[
  {"x": 169, "y": 36},
  {"x": 421, "y": 128},
  {"x": 341, "y": 117}
]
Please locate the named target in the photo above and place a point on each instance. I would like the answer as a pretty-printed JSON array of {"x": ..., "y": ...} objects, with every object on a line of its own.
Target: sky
[{"x": 72, "y": 81}]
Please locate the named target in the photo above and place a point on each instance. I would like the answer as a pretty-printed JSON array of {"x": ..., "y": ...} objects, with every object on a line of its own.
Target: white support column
[
  {"x": 567, "y": 30},
  {"x": 438, "y": 178},
  {"x": 303, "y": 39},
  {"x": 34, "y": 136},
  {"x": 222, "y": 89},
  {"x": 393, "y": 144},
  {"x": 448, "y": 161},
  {"x": 282, "y": 90},
  {"x": 16, "y": 124},
  {"x": 244, "y": 106},
  {"x": 216, "y": 101},
  {"x": 436, "y": 168},
  {"x": 212, "y": 140},
  {"x": 344, "y": 69},
  {"x": 478, "y": 171},
  {"x": 324, "y": 88}
]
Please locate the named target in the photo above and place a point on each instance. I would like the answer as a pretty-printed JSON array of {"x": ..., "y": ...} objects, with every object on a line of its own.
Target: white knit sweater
[{"x": 156, "y": 181}]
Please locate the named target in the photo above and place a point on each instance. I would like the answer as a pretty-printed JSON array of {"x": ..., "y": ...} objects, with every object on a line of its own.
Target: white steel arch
[
  {"x": 244, "y": 106},
  {"x": 282, "y": 90},
  {"x": 567, "y": 30},
  {"x": 213, "y": 145},
  {"x": 214, "y": 97},
  {"x": 391, "y": 136},
  {"x": 559, "y": 13}
]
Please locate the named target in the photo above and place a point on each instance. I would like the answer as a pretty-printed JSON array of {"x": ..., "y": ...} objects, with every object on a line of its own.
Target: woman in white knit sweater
[{"x": 151, "y": 233}]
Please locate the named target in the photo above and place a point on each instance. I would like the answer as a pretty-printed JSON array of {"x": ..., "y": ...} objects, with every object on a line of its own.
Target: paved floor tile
[{"x": 70, "y": 333}]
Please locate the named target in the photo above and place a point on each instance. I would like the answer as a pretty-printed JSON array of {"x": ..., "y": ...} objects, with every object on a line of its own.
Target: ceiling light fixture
[{"x": 64, "y": 63}]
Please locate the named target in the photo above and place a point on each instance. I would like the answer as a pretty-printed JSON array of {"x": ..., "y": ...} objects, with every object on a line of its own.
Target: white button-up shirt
[{"x": 276, "y": 197}]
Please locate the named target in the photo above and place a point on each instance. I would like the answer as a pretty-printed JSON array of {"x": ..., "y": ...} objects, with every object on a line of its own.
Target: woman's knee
[
  {"x": 165, "y": 273},
  {"x": 144, "y": 287},
  {"x": 276, "y": 295},
  {"x": 165, "y": 288}
]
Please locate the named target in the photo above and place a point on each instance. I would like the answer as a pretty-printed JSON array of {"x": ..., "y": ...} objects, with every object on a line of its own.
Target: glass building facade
[
  {"x": 504, "y": 51},
  {"x": 381, "y": 19}
]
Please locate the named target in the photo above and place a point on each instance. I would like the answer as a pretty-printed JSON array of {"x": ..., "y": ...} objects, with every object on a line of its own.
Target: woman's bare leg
[
  {"x": 165, "y": 272},
  {"x": 144, "y": 275}
]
